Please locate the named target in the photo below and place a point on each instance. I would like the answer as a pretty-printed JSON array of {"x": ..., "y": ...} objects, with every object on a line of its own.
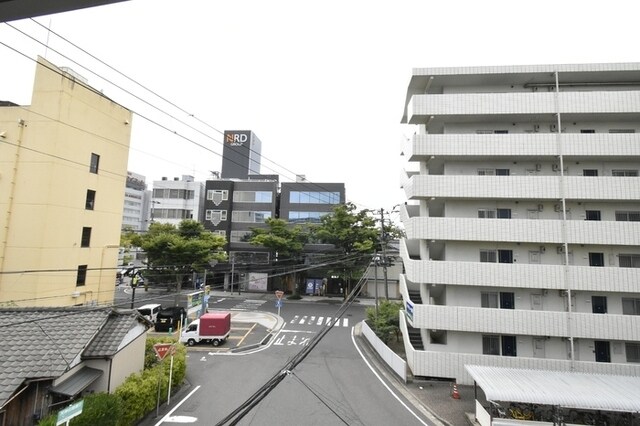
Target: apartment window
[
  {"x": 503, "y": 213},
  {"x": 592, "y": 214},
  {"x": 253, "y": 196},
  {"x": 505, "y": 256},
  {"x": 85, "y": 241},
  {"x": 599, "y": 304},
  {"x": 488, "y": 256},
  {"x": 630, "y": 306},
  {"x": 629, "y": 260},
  {"x": 509, "y": 346},
  {"x": 489, "y": 299},
  {"x": 486, "y": 172},
  {"x": 498, "y": 345},
  {"x": 502, "y": 172},
  {"x": 82, "y": 275},
  {"x": 507, "y": 300},
  {"x": 250, "y": 216},
  {"x": 239, "y": 236},
  {"x": 306, "y": 217},
  {"x": 501, "y": 132},
  {"x": 216, "y": 216},
  {"x": 622, "y": 130},
  {"x": 217, "y": 195},
  {"x": 490, "y": 344},
  {"x": 633, "y": 351},
  {"x": 587, "y": 131},
  {"x": 500, "y": 256},
  {"x": 596, "y": 259},
  {"x": 486, "y": 214},
  {"x": 90, "y": 200},
  {"x": 590, "y": 172},
  {"x": 95, "y": 163},
  {"x": 624, "y": 173},
  {"x": 300, "y": 197},
  {"x": 602, "y": 350},
  {"x": 628, "y": 216}
]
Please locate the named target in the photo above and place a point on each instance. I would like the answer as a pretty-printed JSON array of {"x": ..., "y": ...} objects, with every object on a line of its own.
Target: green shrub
[{"x": 387, "y": 323}]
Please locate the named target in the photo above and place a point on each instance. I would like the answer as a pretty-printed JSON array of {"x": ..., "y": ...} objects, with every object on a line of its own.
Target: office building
[
  {"x": 175, "y": 200},
  {"x": 241, "y": 154},
  {"x": 61, "y": 192},
  {"x": 523, "y": 219}
]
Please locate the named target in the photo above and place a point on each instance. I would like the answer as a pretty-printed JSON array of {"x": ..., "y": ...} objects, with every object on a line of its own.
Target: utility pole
[
  {"x": 375, "y": 273},
  {"x": 233, "y": 264},
  {"x": 383, "y": 243}
]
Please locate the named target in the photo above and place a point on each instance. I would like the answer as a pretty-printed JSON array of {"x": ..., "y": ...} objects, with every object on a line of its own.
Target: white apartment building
[
  {"x": 523, "y": 219},
  {"x": 174, "y": 200}
]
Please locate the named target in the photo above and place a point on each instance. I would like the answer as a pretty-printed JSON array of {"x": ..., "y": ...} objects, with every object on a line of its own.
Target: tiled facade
[{"x": 523, "y": 193}]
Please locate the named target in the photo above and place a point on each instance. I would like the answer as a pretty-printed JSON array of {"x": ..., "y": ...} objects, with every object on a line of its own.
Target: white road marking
[{"x": 177, "y": 405}]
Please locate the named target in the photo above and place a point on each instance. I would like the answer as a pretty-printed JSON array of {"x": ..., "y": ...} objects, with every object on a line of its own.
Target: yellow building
[{"x": 63, "y": 168}]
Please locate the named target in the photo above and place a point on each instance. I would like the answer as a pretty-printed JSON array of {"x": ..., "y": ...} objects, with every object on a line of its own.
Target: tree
[
  {"x": 386, "y": 323},
  {"x": 352, "y": 232},
  {"x": 285, "y": 240},
  {"x": 178, "y": 251}
]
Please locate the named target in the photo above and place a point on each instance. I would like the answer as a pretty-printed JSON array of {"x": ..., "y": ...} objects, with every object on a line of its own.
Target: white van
[{"x": 150, "y": 311}]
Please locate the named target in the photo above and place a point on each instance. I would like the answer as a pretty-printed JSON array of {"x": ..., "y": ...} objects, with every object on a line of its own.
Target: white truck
[{"x": 212, "y": 327}]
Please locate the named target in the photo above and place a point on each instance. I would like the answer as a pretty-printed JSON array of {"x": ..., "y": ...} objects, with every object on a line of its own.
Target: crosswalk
[
  {"x": 249, "y": 305},
  {"x": 318, "y": 320}
]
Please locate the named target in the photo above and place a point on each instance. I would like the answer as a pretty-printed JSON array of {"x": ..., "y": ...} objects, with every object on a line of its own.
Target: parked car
[
  {"x": 150, "y": 311},
  {"x": 169, "y": 318}
]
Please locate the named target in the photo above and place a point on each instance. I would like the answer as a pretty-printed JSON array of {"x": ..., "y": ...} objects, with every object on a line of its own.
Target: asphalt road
[{"x": 333, "y": 385}]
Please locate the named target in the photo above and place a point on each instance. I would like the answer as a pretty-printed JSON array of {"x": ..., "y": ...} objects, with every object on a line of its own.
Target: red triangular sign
[{"x": 162, "y": 349}]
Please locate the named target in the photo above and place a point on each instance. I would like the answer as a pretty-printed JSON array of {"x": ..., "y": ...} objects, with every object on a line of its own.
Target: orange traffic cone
[{"x": 455, "y": 394}]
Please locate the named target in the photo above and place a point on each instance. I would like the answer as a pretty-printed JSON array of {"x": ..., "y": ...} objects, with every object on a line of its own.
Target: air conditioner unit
[
  {"x": 540, "y": 207},
  {"x": 538, "y": 167},
  {"x": 560, "y": 249},
  {"x": 543, "y": 249},
  {"x": 555, "y": 167},
  {"x": 557, "y": 207},
  {"x": 536, "y": 128},
  {"x": 553, "y": 128},
  {"x": 75, "y": 294}
]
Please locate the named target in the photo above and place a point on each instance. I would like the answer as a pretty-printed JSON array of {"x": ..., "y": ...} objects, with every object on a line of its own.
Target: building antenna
[{"x": 46, "y": 46}]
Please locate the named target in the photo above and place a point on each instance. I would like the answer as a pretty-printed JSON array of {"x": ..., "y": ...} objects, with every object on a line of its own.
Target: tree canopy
[{"x": 179, "y": 250}]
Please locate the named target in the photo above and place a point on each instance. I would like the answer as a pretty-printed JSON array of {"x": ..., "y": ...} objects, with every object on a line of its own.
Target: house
[{"x": 52, "y": 356}]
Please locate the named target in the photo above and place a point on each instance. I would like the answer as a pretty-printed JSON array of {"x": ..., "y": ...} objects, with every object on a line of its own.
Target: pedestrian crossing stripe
[{"x": 322, "y": 321}]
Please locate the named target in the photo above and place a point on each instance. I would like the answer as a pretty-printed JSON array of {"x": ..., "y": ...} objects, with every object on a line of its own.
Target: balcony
[
  {"x": 514, "y": 145},
  {"x": 534, "y": 188},
  {"x": 526, "y": 322},
  {"x": 512, "y": 275},
  {"x": 523, "y": 230},
  {"x": 531, "y": 106}
]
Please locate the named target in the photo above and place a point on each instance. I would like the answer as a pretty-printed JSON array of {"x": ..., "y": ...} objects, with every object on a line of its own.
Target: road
[{"x": 332, "y": 386}]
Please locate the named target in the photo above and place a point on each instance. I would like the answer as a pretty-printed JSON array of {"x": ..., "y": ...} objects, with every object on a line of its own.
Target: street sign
[
  {"x": 279, "y": 303},
  {"x": 70, "y": 412},
  {"x": 162, "y": 349},
  {"x": 279, "y": 294}
]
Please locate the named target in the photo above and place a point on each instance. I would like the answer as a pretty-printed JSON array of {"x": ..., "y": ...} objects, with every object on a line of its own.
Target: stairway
[
  {"x": 415, "y": 338},
  {"x": 414, "y": 296}
]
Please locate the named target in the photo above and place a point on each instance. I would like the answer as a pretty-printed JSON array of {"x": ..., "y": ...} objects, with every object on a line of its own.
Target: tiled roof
[
  {"x": 46, "y": 342},
  {"x": 108, "y": 341}
]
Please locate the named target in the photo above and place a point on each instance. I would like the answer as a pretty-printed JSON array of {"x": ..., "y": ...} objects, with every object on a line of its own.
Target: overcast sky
[{"x": 321, "y": 83}]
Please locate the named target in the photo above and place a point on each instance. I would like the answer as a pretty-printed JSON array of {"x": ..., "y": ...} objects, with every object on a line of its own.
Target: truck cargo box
[{"x": 215, "y": 324}]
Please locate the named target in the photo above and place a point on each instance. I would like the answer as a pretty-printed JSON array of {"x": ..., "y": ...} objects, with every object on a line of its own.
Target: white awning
[{"x": 561, "y": 388}]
